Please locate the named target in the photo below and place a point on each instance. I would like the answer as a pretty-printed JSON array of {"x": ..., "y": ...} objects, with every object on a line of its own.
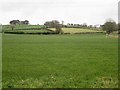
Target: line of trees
[
  {"x": 109, "y": 26},
  {"x": 17, "y": 22}
]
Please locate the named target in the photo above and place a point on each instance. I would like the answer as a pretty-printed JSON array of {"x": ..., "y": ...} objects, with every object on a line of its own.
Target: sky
[{"x": 91, "y": 12}]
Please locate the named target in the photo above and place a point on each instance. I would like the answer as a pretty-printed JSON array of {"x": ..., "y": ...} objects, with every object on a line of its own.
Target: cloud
[{"x": 74, "y": 11}]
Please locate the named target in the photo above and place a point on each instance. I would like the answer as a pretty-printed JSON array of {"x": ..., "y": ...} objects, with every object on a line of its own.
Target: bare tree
[
  {"x": 12, "y": 27},
  {"x": 59, "y": 29},
  {"x": 54, "y": 24}
]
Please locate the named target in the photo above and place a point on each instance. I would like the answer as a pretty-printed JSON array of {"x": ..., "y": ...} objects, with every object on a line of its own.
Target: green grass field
[
  {"x": 60, "y": 61},
  {"x": 77, "y": 30},
  {"x": 9, "y": 27},
  {"x": 36, "y": 29}
]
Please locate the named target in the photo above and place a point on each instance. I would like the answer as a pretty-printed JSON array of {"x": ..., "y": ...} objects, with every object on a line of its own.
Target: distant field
[
  {"x": 37, "y": 28},
  {"x": 29, "y": 27},
  {"x": 60, "y": 61},
  {"x": 76, "y": 30}
]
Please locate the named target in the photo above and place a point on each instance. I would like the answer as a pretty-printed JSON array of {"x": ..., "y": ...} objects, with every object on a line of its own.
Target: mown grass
[
  {"x": 27, "y": 26},
  {"x": 77, "y": 30},
  {"x": 21, "y": 27},
  {"x": 60, "y": 61},
  {"x": 34, "y": 28}
]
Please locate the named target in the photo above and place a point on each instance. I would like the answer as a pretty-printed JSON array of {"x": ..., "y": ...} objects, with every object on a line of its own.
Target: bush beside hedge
[
  {"x": 20, "y": 32},
  {"x": 46, "y": 33}
]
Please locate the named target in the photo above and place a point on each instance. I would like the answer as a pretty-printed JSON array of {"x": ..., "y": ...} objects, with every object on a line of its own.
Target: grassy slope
[
  {"x": 59, "y": 61},
  {"x": 27, "y": 26},
  {"x": 66, "y": 30},
  {"x": 77, "y": 30},
  {"x": 8, "y": 27}
]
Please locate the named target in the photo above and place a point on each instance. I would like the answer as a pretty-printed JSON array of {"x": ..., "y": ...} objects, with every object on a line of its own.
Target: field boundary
[
  {"x": 0, "y": 57},
  {"x": 48, "y": 32}
]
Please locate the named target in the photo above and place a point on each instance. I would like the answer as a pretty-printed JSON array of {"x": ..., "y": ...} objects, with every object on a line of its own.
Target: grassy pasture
[
  {"x": 22, "y": 27},
  {"x": 76, "y": 30},
  {"x": 35, "y": 29},
  {"x": 27, "y": 26},
  {"x": 62, "y": 61}
]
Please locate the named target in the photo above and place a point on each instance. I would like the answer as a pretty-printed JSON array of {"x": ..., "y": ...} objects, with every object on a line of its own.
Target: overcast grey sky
[{"x": 70, "y": 11}]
